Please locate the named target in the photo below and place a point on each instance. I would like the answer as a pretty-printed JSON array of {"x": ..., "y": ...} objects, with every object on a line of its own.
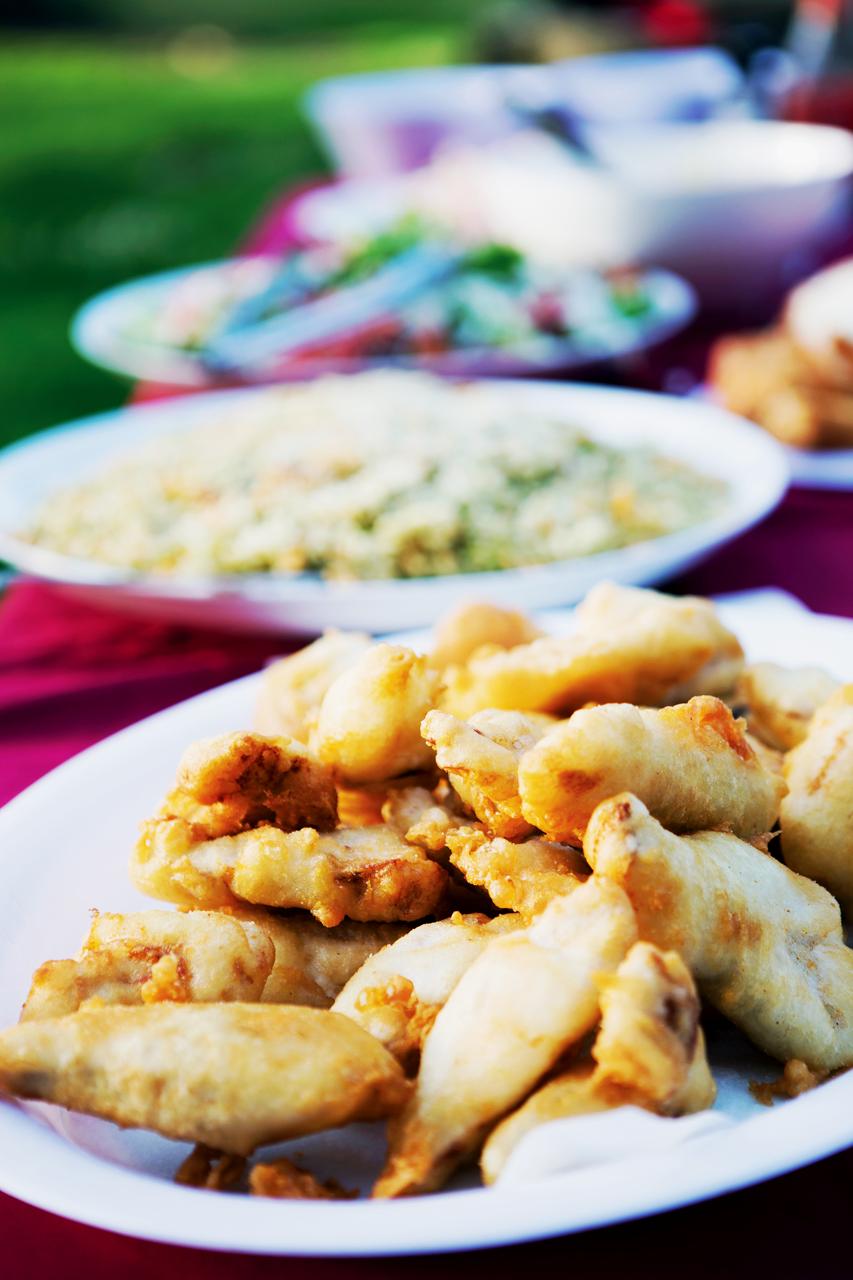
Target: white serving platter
[
  {"x": 702, "y": 435},
  {"x": 63, "y": 849}
]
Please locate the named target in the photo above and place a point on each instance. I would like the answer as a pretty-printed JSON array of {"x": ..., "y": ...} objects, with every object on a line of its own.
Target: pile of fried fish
[{"x": 469, "y": 892}]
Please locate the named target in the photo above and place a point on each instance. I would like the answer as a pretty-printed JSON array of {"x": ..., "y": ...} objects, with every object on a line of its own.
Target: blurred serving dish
[
  {"x": 492, "y": 311},
  {"x": 795, "y": 379},
  {"x": 388, "y": 121},
  {"x": 725, "y": 203},
  {"x": 408, "y": 493}
]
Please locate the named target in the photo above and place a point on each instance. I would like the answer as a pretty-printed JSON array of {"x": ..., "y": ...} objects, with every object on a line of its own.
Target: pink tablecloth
[{"x": 71, "y": 674}]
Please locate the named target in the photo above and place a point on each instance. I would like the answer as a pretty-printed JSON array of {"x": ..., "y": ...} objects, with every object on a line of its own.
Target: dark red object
[
  {"x": 676, "y": 23},
  {"x": 71, "y": 674}
]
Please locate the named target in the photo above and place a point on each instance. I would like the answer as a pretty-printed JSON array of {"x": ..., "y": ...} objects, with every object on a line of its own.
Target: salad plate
[
  {"x": 495, "y": 315},
  {"x": 729, "y": 451},
  {"x": 56, "y": 862}
]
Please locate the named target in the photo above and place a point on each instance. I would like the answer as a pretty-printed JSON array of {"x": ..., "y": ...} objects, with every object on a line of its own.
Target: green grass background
[{"x": 114, "y": 163}]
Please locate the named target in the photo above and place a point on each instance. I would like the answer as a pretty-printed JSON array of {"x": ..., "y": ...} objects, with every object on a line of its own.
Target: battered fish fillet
[
  {"x": 522, "y": 877},
  {"x": 148, "y": 956},
  {"x": 312, "y": 963},
  {"x": 368, "y": 728},
  {"x": 293, "y": 687},
  {"x": 481, "y": 758},
  {"x": 764, "y": 944},
  {"x": 243, "y": 780},
  {"x": 691, "y": 764},
  {"x": 630, "y": 645},
  {"x": 471, "y": 626},
  {"x": 649, "y": 1053},
  {"x": 423, "y": 817},
  {"x": 817, "y": 813},
  {"x": 365, "y": 873},
  {"x": 781, "y": 701},
  {"x": 524, "y": 1001},
  {"x": 397, "y": 993},
  {"x": 231, "y": 1076}
]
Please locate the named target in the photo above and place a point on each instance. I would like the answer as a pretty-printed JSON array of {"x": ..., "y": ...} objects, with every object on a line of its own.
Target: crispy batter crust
[
  {"x": 481, "y": 758},
  {"x": 817, "y": 813},
  {"x": 764, "y": 945},
  {"x": 363, "y": 873},
  {"x": 368, "y": 728},
  {"x": 148, "y": 956},
  {"x": 396, "y": 993},
  {"x": 523, "y": 876},
  {"x": 691, "y": 764},
  {"x": 781, "y": 701},
  {"x": 649, "y": 1053},
  {"x": 230, "y": 1076},
  {"x": 469, "y": 627},
  {"x": 630, "y": 645},
  {"x": 524, "y": 1001}
]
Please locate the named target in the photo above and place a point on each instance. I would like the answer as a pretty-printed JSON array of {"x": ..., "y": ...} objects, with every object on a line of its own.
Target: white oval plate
[
  {"x": 104, "y": 332},
  {"x": 706, "y": 437},
  {"x": 63, "y": 849}
]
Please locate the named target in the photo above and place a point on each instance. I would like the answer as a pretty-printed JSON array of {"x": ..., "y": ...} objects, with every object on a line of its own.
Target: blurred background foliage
[{"x": 144, "y": 134}]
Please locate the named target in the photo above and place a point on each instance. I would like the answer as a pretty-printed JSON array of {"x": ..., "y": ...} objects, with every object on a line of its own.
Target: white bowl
[
  {"x": 739, "y": 207},
  {"x": 385, "y": 122}
]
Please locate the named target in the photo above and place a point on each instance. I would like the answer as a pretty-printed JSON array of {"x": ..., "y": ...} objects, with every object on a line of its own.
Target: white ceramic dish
[
  {"x": 702, "y": 435},
  {"x": 386, "y": 121},
  {"x": 821, "y": 468},
  {"x": 56, "y": 862},
  {"x": 807, "y": 468},
  {"x": 732, "y": 205},
  {"x": 105, "y": 330}
]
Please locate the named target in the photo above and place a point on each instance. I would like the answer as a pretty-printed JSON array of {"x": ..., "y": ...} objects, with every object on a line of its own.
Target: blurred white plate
[
  {"x": 710, "y": 440},
  {"x": 109, "y": 330},
  {"x": 821, "y": 468},
  {"x": 807, "y": 468},
  {"x": 56, "y": 862}
]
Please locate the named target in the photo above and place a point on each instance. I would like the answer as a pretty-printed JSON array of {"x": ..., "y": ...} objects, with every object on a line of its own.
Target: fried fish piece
[
  {"x": 649, "y": 1052},
  {"x": 231, "y": 1076},
  {"x": 283, "y": 1180},
  {"x": 523, "y": 876},
  {"x": 292, "y": 688},
  {"x": 817, "y": 813},
  {"x": 147, "y": 956},
  {"x": 781, "y": 701},
  {"x": 422, "y": 818},
  {"x": 211, "y": 1170},
  {"x": 368, "y": 728},
  {"x": 682, "y": 620},
  {"x": 469, "y": 627},
  {"x": 691, "y": 764},
  {"x": 365, "y": 873},
  {"x": 764, "y": 944},
  {"x": 481, "y": 756},
  {"x": 242, "y": 780},
  {"x": 523, "y": 1002},
  {"x": 630, "y": 645},
  {"x": 311, "y": 963},
  {"x": 397, "y": 992}
]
